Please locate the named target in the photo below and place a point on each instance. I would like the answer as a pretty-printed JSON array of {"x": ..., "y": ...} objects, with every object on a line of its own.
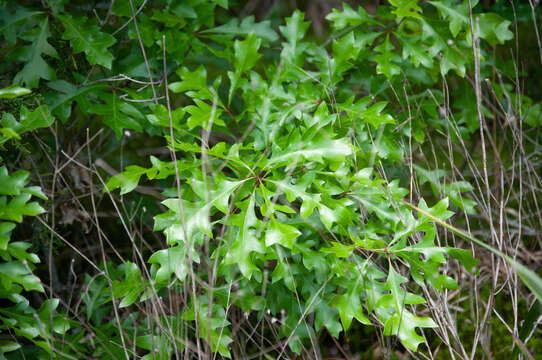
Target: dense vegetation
[{"x": 228, "y": 179}]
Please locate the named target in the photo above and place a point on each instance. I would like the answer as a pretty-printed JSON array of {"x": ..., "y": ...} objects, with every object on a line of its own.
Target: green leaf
[
  {"x": 309, "y": 201},
  {"x": 383, "y": 210},
  {"x": 348, "y": 17},
  {"x": 533, "y": 115},
  {"x": 426, "y": 267},
  {"x": 261, "y": 29},
  {"x": 349, "y": 46},
  {"x": 316, "y": 149},
  {"x": 283, "y": 271},
  {"x": 246, "y": 242},
  {"x": 17, "y": 273},
  {"x": 292, "y": 51},
  {"x": 279, "y": 233},
  {"x": 97, "y": 293},
  {"x": 294, "y": 191},
  {"x": 46, "y": 312},
  {"x": 8, "y": 132},
  {"x": 431, "y": 176},
  {"x": 123, "y": 8},
  {"x": 15, "y": 209},
  {"x": 374, "y": 117},
  {"x": 18, "y": 251},
  {"x": 118, "y": 115},
  {"x": 202, "y": 113},
  {"x": 13, "y": 91},
  {"x": 35, "y": 67},
  {"x": 193, "y": 80},
  {"x": 456, "y": 14},
  {"x": 339, "y": 250},
  {"x": 162, "y": 169},
  {"x": 439, "y": 211},
  {"x": 406, "y": 8},
  {"x": 246, "y": 53},
  {"x": 213, "y": 328},
  {"x": 154, "y": 343},
  {"x": 9, "y": 20},
  {"x": 295, "y": 27},
  {"x": 327, "y": 316},
  {"x": 464, "y": 257},
  {"x": 452, "y": 190},
  {"x": 89, "y": 39},
  {"x": 126, "y": 180},
  {"x": 173, "y": 260},
  {"x": 161, "y": 116},
  {"x": 492, "y": 28},
  {"x": 5, "y": 233},
  {"x": 30, "y": 120},
  {"x": 19, "y": 206},
  {"x": 245, "y": 57},
  {"x": 267, "y": 209},
  {"x": 8, "y": 346},
  {"x": 131, "y": 286},
  {"x": 38, "y": 118},
  {"x": 222, "y": 3},
  {"x": 434, "y": 34},
  {"x": 12, "y": 184},
  {"x": 418, "y": 55},
  {"x": 196, "y": 221},
  {"x": 60, "y": 101},
  {"x": 403, "y": 323},
  {"x": 385, "y": 58},
  {"x": 220, "y": 195},
  {"x": 453, "y": 59},
  {"x": 349, "y": 307}
]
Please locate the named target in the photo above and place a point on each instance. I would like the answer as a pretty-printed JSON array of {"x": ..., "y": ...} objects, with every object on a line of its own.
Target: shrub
[{"x": 287, "y": 197}]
